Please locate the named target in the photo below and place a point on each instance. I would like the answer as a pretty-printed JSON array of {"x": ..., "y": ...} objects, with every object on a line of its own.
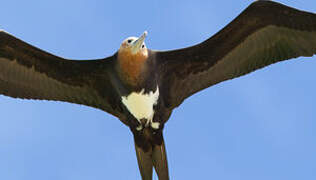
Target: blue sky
[{"x": 260, "y": 126}]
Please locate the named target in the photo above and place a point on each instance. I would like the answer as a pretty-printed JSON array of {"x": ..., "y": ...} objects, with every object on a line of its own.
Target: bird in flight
[{"x": 141, "y": 87}]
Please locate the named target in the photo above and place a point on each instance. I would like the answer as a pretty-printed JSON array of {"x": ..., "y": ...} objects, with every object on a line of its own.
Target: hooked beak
[{"x": 138, "y": 43}]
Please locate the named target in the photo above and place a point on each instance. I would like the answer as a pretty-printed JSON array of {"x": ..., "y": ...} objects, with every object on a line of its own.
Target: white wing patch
[{"x": 140, "y": 105}]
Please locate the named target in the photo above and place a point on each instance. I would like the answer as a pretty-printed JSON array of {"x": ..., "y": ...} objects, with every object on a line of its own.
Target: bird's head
[
  {"x": 132, "y": 56},
  {"x": 134, "y": 46}
]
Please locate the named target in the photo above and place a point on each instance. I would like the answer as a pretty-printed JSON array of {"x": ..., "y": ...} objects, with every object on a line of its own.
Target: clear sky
[{"x": 261, "y": 126}]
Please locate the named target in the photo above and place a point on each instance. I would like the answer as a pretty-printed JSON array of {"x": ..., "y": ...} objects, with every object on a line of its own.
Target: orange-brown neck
[{"x": 132, "y": 65}]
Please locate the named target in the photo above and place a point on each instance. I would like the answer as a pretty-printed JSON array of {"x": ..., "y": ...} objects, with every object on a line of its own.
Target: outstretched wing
[
  {"x": 265, "y": 33},
  {"x": 30, "y": 73}
]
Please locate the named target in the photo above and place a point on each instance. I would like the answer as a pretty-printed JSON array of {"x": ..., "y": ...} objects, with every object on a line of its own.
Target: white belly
[{"x": 140, "y": 105}]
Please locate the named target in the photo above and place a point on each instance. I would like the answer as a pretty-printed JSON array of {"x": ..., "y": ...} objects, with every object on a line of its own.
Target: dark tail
[{"x": 151, "y": 152}]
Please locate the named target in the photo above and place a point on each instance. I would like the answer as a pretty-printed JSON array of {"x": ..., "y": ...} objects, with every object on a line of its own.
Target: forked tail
[{"x": 151, "y": 152}]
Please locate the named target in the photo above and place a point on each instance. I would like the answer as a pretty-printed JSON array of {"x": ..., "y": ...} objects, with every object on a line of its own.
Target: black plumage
[{"x": 265, "y": 33}]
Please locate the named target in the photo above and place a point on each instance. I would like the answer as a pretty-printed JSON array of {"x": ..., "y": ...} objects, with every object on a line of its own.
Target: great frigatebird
[{"x": 162, "y": 81}]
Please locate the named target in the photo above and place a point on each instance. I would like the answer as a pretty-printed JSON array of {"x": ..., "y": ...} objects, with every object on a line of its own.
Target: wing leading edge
[
  {"x": 29, "y": 73},
  {"x": 265, "y": 33}
]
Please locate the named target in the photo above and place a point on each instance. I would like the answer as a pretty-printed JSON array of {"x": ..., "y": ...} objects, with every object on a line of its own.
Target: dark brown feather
[
  {"x": 30, "y": 73},
  {"x": 265, "y": 33},
  {"x": 151, "y": 152}
]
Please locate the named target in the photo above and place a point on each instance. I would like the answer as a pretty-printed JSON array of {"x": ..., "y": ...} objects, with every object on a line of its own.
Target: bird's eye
[
  {"x": 129, "y": 41},
  {"x": 143, "y": 46}
]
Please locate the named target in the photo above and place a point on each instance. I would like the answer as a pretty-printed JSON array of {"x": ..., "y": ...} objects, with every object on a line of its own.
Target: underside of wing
[
  {"x": 265, "y": 33},
  {"x": 30, "y": 73}
]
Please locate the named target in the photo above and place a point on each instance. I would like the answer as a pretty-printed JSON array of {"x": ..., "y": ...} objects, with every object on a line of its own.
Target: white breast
[{"x": 140, "y": 105}]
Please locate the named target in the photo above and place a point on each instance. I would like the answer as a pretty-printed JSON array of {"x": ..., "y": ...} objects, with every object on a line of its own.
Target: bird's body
[
  {"x": 138, "y": 81},
  {"x": 141, "y": 105},
  {"x": 141, "y": 87}
]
